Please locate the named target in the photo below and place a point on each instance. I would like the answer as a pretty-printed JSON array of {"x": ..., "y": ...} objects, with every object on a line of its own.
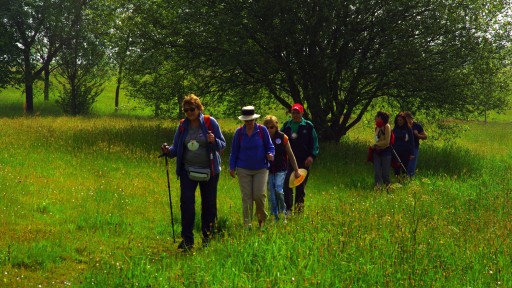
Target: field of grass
[{"x": 84, "y": 203}]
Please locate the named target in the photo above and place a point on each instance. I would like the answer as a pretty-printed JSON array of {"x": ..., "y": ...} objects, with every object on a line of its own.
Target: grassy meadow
[{"x": 84, "y": 203}]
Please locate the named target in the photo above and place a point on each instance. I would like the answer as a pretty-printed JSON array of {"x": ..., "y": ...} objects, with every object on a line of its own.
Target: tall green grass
[{"x": 83, "y": 202}]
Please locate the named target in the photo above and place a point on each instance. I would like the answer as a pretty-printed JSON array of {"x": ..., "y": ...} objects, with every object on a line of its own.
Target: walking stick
[
  {"x": 399, "y": 160},
  {"x": 169, "y": 190}
]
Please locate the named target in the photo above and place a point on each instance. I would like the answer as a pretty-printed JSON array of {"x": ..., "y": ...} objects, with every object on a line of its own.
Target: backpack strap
[
  {"x": 181, "y": 125},
  {"x": 207, "y": 122}
]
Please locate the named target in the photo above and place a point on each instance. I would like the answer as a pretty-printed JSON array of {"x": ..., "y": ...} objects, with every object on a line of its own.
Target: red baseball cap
[{"x": 297, "y": 106}]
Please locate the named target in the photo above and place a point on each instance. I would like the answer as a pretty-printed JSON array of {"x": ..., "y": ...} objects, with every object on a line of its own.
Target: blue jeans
[
  {"x": 382, "y": 166},
  {"x": 411, "y": 168},
  {"x": 275, "y": 193}
]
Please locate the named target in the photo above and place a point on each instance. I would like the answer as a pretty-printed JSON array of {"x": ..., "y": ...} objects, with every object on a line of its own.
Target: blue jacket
[
  {"x": 176, "y": 150},
  {"x": 250, "y": 151}
]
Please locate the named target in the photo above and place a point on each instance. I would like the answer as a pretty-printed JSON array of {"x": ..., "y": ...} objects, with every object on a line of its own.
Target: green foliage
[
  {"x": 337, "y": 57},
  {"x": 82, "y": 66},
  {"x": 7, "y": 56},
  {"x": 38, "y": 29}
]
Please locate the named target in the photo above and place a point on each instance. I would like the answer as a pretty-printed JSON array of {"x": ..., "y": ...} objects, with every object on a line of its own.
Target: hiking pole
[
  {"x": 169, "y": 190},
  {"x": 212, "y": 167},
  {"x": 399, "y": 160}
]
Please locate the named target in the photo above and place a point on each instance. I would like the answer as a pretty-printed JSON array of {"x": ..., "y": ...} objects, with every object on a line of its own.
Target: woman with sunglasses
[
  {"x": 196, "y": 146},
  {"x": 278, "y": 167}
]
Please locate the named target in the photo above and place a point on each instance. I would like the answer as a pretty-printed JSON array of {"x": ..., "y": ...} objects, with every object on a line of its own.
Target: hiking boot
[{"x": 185, "y": 246}]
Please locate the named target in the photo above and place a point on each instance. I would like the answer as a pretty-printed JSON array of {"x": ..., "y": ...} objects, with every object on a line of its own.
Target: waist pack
[{"x": 198, "y": 174}]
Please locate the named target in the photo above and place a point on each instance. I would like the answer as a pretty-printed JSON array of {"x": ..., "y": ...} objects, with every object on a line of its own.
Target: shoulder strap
[
  {"x": 238, "y": 132},
  {"x": 207, "y": 122},
  {"x": 260, "y": 130},
  {"x": 283, "y": 137},
  {"x": 181, "y": 125}
]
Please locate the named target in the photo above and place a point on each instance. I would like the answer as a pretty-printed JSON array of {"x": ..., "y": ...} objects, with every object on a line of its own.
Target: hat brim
[
  {"x": 248, "y": 117},
  {"x": 297, "y": 181}
]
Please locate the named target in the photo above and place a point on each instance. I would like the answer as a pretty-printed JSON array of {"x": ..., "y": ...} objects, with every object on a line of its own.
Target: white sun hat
[{"x": 248, "y": 114}]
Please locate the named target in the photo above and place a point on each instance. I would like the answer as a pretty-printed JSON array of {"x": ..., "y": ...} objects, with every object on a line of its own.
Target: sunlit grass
[{"x": 83, "y": 202}]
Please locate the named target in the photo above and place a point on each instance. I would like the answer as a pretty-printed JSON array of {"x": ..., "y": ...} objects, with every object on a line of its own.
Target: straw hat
[
  {"x": 296, "y": 181},
  {"x": 248, "y": 113}
]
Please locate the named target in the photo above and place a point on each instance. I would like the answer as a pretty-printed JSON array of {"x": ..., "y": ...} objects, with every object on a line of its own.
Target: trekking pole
[
  {"x": 399, "y": 160},
  {"x": 169, "y": 190},
  {"x": 212, "y": 167}
]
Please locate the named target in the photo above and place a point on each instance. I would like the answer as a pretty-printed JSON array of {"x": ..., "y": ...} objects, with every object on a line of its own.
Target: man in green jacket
[{"x": 304, "y": 142}]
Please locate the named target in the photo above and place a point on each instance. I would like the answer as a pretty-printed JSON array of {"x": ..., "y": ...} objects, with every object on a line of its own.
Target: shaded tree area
[
  {"x": 335, "y": 57},
  {"x": 338, "y": 58},
  {"x": 7, "y": 57},
  {"x": 83, "y": 67},
  {"x": 38, "y": 28}
]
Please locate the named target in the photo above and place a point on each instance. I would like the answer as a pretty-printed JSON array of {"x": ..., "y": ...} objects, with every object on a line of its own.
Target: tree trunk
[
  {"x": 29, "y": 97},
  {"x": 118, "y": 86},
  {"x": 47, "y": 83}
]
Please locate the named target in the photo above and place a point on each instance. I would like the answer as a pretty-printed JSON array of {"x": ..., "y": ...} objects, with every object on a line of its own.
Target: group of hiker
[
  {"x": 395, "y": 148},
  {"x": 266, "y": 158},
  {"x": 263, "y": 157}
]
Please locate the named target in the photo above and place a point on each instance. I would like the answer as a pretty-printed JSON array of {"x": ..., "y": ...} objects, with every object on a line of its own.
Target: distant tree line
[{"x": 335, "y": 57}]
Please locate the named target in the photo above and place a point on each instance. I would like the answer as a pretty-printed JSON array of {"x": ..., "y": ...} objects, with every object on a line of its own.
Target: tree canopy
[{"x": 336, "y": 57}]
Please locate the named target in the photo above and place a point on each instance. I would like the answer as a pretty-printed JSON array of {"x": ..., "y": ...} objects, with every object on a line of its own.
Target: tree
[
  {"x": 38, "y": 28},
  {"x": 146, "y": 61},
  {"x": 117, "y": 15},
  {"x": 82, "y": 65},
  {"x": 335, "y": 57}
]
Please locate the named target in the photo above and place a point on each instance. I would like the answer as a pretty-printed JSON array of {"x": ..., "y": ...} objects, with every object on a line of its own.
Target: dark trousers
[
  {"x": 208, "y": 191},
  {"x": 404, "y": 157},
  {"x": 300, "y": 191}
]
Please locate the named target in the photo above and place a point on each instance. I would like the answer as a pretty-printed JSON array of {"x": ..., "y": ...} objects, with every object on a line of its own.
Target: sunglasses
[
  {"x": 271, "y": 127},
  {"x": 191, "y": 109}
]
